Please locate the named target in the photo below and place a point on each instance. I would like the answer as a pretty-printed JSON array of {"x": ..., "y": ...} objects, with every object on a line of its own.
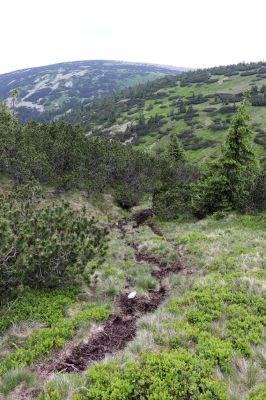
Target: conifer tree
[
  {"x": 239, "y": 162},
  {"x": 175, "y": 149},
  {"x": 14, "y": 94},
  {"x": 229, "y": 180}
]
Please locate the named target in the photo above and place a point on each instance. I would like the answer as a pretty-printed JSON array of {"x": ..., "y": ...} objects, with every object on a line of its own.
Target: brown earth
[{"x": 120, "y": 328}]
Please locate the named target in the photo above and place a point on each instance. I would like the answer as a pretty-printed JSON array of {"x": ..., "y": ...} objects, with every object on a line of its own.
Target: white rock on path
[{"x": 132, "y": 295}]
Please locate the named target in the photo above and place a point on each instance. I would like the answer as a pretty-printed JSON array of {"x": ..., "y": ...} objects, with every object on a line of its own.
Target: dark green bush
[
  {"x": 209, "y": 195},
  {"x": 258, "y": 192},
  {"x": 172, "y": 202},
  {"x": 46, "y": 247},
  {"x": 172, "y": 198},
  {"x": 170, "y": 375},
  {"x": 64, "y": 157},
  {"x": 125, "y": 197}
]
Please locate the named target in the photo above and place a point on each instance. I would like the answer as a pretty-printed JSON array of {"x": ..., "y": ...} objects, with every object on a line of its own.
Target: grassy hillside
[
  {"x": 131, "y": 275},
  {"x": 196, "y": 105},
  {"x": 45, "y": 92},
  {"x": 199, "y": 310}
]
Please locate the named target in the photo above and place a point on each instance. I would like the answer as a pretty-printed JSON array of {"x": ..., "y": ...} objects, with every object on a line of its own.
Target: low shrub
[
  {"x": 47, "y": 305},
  {"x": 40, "y": 344},
  {"x": 258, "y": 393},
  {"x": 245, "y": 316},
  {"x": 125, "y": 197},
  {"x": 170, "y": 375},
  {"x": 47, "y": 247},
  {"x": 172, "y": 202}
]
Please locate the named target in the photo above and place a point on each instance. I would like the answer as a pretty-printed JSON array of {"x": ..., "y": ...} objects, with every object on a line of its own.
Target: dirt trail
[{"x": 120, "y": 328}]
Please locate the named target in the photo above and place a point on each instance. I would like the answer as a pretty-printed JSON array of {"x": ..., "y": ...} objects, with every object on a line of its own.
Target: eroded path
[
  {"x": 121, "y": 326},
  {"x": 119, "y": 329}
]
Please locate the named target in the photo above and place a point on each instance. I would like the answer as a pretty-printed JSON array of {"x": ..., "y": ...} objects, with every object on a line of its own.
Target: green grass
[
  {"x": 47, "y": 306},
  {"x": 62, "y": 99},
  {"x": 212, "y": 326},
  {"x": 18, "y": 376},
  {"x": 136, "y": 80},
  {"x": 41, "y": 343},
  {"x": 217, "y": 313},
  {"x": 201, "y": 123}
]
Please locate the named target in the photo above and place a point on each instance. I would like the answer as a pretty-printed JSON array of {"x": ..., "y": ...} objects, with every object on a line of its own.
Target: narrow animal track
[{"x": 121, "y": 326}]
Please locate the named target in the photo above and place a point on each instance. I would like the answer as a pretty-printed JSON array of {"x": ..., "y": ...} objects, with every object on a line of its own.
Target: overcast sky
[{"x": 188, "y": 33}]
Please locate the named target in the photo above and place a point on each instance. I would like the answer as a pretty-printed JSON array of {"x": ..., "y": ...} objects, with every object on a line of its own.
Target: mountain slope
[
  {"x": 197, "y": 105},
  {"x": 50, "y": 90}
]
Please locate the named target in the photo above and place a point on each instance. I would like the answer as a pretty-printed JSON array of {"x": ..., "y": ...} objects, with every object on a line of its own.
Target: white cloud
[{"x": 184, "y": 33}]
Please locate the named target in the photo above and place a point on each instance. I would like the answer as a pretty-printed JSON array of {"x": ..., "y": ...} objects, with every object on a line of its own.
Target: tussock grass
[
  {"x": 66, "y": 385},
  {"x": 15, "y": 377},
  {"x": 206, "y": 312},
  {"x": 226, "y": 256}
]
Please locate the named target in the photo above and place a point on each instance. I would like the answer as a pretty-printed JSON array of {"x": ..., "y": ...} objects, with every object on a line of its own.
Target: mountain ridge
[
  {"x": 165, "y": 66},
  {"x": 50, "y": 90},
  {"x": 196, "y": 105}
]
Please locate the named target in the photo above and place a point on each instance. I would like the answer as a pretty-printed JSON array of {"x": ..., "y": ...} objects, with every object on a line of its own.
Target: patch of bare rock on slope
[{"x": 120, "y": 328}]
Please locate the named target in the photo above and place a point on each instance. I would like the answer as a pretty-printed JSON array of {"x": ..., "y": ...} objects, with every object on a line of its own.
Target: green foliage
[
  {"x": 125, "y": 197},
  {"x": 47, "y": 305},
  {"x": 47, "y": 247},
  {"x": 258, "y": 393},
  {"x": 40, "y": 343},
  {"x": 63, "y": 156},
  {"x": 9, "y": 129},
  {"x": 239, "y": 161},
  {"x": 244, "y": 314},
  {"x": 172, "y": 202},
  {"x": 258, "y": 191},
  {"x": 227, "y": 184},
  {"x": 18, "y": 376},
  {"x": 27, "y": 194},
  {"x": 209, "y": 194},
  {"x": 175, "y": 374},
  {"x": 175, "y": 149},
  {"x": 172, "y": 197},
  {"x": 214, "y": 349},
  {"x": 195, "y": 77}
]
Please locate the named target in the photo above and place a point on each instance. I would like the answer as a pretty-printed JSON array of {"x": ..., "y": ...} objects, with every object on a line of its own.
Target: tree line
[{"x": 47, "y": 246}]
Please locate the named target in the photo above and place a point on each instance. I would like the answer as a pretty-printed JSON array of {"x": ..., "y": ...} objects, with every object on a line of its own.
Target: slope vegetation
[
  {"x": 45, "y": 92},
  {"x": 197, "y": 105},
  {"x": 193, "y": 329},
  {"x": 126, "y": 274}
]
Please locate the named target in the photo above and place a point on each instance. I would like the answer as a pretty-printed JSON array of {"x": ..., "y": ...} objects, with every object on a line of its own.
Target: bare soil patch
[{"x": 120, "y": 328}]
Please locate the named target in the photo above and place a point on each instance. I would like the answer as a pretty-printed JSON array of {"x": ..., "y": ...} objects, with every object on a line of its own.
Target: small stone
[{"x": 132, "y": 295}]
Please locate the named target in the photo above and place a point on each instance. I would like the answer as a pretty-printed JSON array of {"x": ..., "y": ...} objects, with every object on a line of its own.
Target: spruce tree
[
  {"x": 239, "y": 163},
  {"x": 14, "y": 94},
  {"x": 228, "y": 182},
  {"x": 175, "y": 149}
]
